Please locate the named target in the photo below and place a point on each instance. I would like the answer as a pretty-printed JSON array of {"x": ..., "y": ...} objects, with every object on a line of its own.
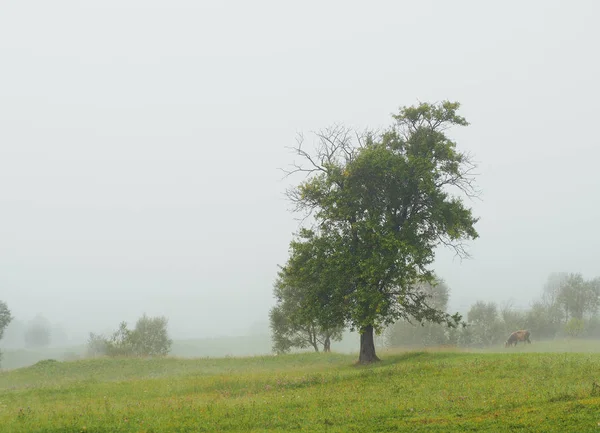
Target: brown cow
[{"x": 517, "y": 336}]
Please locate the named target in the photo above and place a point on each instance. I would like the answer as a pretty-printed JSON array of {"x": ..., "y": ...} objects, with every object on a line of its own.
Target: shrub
[{"x": 148, "y": 338}]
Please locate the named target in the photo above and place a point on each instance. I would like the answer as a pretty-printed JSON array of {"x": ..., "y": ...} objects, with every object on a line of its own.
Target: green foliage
[
  {"x": 512, "y": 320},
  {"x": 406, "y": 334},
  {"x": 578, "y": 297},
  {"x": 148, "y": 338},
  {"x": 97, "y": 345},
  {"x": 486, "y": 327},
  {"x": 380, "y": 208},
  {"x": 297, "y": 319},
  {"x": 414, "y": 391},
  {"x": 544, "y": 320},
  {"x": 5, "y": 317},
  {"x": 574, "y": 327}
]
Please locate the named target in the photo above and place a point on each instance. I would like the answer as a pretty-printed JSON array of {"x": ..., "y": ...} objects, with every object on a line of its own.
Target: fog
[{"x": 140, "y": 143}]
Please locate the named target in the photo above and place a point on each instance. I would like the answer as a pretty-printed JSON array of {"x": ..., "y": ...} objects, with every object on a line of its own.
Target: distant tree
[
  {"x": 574, "y": 327},
  {"x": 552, "y": 288},
  {"x": 5, "y": 319},
  {"x": 38, "y": 332},
  {"x": 97, "y": 345},
  {"x": 120, "y": 342},
  {"x": 592, "y": 328},
  {"x": 381, "y": 204},
  {"x": 294, "y": 324},
  {"x": 485, "y": 327},
  {"x": 543, "y": 319},
  {"x": 578, "y": 297},
  {"x": 406, "y": 333},
  {"x": 512, "y": 319},
  {"x": 150, "y": 337}
]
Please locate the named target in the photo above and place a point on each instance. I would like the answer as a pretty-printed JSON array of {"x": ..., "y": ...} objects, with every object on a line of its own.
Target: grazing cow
[{"x": 517, "y": 336}]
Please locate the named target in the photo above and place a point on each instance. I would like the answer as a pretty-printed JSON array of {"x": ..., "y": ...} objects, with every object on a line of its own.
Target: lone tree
[
  {"x": 293, "y": 322},
  {"x": 380, "y": 204}
]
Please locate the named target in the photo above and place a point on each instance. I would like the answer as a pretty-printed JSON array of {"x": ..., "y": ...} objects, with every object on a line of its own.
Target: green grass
[{"x": 515, "y": 390}]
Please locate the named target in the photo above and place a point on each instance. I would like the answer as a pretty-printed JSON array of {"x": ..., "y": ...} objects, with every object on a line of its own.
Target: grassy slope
[{"x": 415, "y": 391}]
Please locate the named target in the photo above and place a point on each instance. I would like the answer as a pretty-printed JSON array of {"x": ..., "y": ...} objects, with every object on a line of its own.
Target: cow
[{"x": 515, "y": 337}]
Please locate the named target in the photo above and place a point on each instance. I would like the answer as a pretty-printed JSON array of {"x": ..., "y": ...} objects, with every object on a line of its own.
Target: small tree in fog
[
  {"x": 485, "y": 328},
  {"x": 150, "y": 337},
  {"x": 552, "y": 288},
  {"x": 97, "y": 345},
  {"x": 38, "y": 333},
  {"x": 544, "y": 319},
  {"x": 512, "y": 319},
  {"x": 288, "y": 334},
  {"x": 295, "y": 320},
  {"x": 5, "y": 319},
  {"x": 119, "y": 343},
  {"x": 579, "y": 297}
]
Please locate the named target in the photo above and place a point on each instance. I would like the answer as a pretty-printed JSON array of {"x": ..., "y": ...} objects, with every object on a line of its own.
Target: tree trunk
[
  {"x": 313, "y": 340},
  {"x": 367, "y": 346},
  {"x": 327, "y": 344}
]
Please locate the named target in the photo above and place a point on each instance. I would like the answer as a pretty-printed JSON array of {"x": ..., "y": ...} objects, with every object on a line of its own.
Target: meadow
[{"x": 520, "y": 389}]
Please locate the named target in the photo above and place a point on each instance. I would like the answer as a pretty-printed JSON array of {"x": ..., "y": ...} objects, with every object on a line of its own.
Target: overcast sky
[{"x": 140, "y": 142}]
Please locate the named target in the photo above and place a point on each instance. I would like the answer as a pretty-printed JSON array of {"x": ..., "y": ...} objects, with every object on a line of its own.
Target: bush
[
  {"x": 148, "y": 338},
  {"x": 97, "y": 345}
]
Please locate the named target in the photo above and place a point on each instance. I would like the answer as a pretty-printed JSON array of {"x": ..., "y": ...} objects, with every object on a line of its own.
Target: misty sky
[{"x": 140, "y": 143}]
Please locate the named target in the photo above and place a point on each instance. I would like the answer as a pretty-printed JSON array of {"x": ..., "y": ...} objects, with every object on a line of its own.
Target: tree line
[{"x": 568, "y": 306}]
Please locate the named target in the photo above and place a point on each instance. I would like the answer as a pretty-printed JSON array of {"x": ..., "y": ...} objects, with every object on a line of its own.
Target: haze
[{"x": 140, "y": 143}]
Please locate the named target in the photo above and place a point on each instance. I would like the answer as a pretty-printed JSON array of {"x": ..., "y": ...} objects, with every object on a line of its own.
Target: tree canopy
[
  {"x": 294, "y": 320},
  {"x": 380, "y": 203}
]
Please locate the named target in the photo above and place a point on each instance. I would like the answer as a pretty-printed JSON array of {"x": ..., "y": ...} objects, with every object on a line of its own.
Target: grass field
[{"x": 513, "y": 390}]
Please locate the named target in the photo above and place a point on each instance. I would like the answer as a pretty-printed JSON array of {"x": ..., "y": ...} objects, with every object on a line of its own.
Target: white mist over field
[{"x": 140, "y": 143}]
